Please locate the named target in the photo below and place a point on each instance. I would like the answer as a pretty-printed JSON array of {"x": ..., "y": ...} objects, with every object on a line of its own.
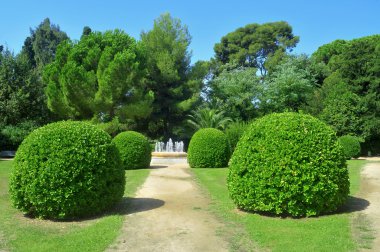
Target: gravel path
[
  {"x": 170, "y": 214},
  {"x": 370, "y": 191}
]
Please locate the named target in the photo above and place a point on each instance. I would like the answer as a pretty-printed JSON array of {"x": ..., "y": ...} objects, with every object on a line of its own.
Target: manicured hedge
[
  {"x": 208, "y": 148},
  {"x": 289, "y": 164},
  {"x": 351, "y": 146},
  {"x": 66, "y": 170},
  {"x": 134, "y": 148}
]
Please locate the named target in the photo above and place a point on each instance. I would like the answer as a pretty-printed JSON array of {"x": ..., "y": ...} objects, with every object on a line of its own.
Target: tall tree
[
  {"x": 255, "y": 45},
  {"x": 168, "y": 65},
  {"x": 41, "y": 45},
  {"x": 101, "y": 76},
  {"x": 357, "y": 63}
]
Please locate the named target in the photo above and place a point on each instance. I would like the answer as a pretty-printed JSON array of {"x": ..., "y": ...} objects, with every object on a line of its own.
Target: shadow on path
[
  {"x": 157, "y": 166},
  {"x": 354, "y": 204},
  {"x": 136, "y": 205}
]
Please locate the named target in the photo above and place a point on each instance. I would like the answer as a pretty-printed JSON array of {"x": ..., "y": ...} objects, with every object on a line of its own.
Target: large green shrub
[
  {"x": 134, "y": 148},
  {"x": 208, "y": 148},
  {"x": 66, "y": 170},
  {"x": 351, "y": 146},
  {"x": 288, "y": 164}
]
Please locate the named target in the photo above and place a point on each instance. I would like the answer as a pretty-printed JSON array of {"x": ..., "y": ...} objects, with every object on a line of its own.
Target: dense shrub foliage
[
  {"x": 351, "y": 146},
  {"x": 65, "y": 170},
  {"x": 234, "y": 131},
  {"x": 288, "y": 164},
  {"x": 134, "y": 148},
  {"x": 208, "y": 148}
]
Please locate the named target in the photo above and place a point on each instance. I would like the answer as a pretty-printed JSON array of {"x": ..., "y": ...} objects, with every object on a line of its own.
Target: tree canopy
[
  {"x": 355, "y": 72},
  {"x": 100, "y": 76},
  {"x": 41, "y": 45},
  {"x": 254, "y": 44}
]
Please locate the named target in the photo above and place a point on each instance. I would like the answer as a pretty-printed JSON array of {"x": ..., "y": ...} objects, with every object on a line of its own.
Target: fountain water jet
[
  {"x": 169, "y": 152},
  {"x": 169, "y": 147}
]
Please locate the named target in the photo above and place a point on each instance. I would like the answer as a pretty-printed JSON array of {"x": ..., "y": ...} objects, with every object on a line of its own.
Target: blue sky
[{"x": 316, "y": 22}]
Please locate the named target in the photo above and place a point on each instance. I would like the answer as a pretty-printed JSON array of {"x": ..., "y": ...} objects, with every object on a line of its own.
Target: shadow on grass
[
  {"x": 353, "y": 204},
  {"x": 126, "y": 206}
]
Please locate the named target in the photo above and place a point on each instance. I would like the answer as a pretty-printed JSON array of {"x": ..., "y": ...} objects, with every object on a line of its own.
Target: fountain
[{"x": 169, "y": 152}]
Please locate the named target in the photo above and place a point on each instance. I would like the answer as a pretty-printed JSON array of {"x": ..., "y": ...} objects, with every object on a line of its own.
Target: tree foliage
[
  {"x": 254, "y": 44},
  {"x": 176, "y": 86},
  {"x": 40, "y": 47},
  {"x": 290, "y": 85},
  {"x": 21, "y": 93},
  {"x": 339, "y": 106},
  {"x": 354, "y": 108},
  {"x": 100, "y": 76},
  {"x": 205, "y": 117},
  {"x": 240, "y": 90}
]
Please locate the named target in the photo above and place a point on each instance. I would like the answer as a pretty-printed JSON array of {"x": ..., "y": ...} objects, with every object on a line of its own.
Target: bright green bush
[
  {"x": 351, "y": 146},
  {"x": 134, "y": 148},
  {"x": 288, "y": 164},
  {"x": 66, "y": 170},
  {"x": 208, "y": 148},
  {"x": 234, "y": 131}
]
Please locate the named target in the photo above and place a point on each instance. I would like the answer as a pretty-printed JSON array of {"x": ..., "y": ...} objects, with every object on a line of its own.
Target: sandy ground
[
  {"x": 370, "y": 191},
  {"x": 170, "y": 214}
]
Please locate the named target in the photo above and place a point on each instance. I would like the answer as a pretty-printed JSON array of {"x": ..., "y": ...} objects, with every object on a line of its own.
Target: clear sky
[{"x": 316, "y": 22}]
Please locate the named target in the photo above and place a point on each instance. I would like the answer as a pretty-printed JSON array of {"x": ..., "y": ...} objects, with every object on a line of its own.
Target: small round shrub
[
  {"x": 288, "y": 164},
  {"x": 208, "y": 148},
  {"x": 351, "y": 146},
  {"x": 66, "y": 170},
  {"x": 134, "y": 148}
]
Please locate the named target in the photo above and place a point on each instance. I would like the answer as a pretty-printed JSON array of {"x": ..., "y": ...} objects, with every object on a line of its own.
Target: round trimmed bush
[
  {"x": 351, "y": 146},
  {"x": 208, "y": 148},
  {"x": 288, "y": 164},
  {"x": 66, "y": 170},
  {"x": 134, "y": 148}
]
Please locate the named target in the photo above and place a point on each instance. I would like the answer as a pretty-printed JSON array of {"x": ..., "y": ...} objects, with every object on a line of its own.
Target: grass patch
[
  {"x": 325, "y": 233},
  {"x": 19, "y": 233}
]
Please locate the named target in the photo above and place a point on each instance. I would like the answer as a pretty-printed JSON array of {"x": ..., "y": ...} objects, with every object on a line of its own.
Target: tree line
[{"x": 149, "y": 85}]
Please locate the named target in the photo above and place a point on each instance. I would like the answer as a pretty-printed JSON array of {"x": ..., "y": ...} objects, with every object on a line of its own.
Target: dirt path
[
  {"x": 370, "y": 191},
  {"x": 170, "y": 214}
]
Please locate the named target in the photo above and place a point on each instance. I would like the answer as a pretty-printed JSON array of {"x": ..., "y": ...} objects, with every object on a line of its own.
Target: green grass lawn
[
  {"x": 18, "y": 233},
  {"x": 326, "y": 233}
]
